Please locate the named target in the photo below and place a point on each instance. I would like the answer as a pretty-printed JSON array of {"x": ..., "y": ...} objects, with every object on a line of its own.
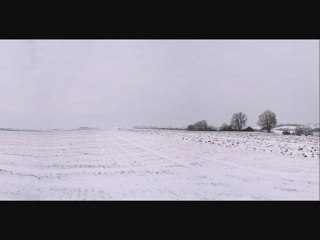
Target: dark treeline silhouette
[
  {"x": 201, "y": 126},
  {"x": 267, "y": 120}
]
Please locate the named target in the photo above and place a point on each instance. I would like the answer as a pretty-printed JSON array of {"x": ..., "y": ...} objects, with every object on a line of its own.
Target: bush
[
  {"x": 286, "y": 132},
  {"x": 303, "y": 130},
  {"x": 248, "y": 129}
]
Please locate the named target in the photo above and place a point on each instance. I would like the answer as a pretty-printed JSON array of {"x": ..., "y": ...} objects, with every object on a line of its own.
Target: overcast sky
[{"x": 48, "y": 84}]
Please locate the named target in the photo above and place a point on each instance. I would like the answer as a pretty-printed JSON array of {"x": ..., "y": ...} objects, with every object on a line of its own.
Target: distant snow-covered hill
[
  {"x": 313, "y": 125},
  {"x": 291, "y": 127}
]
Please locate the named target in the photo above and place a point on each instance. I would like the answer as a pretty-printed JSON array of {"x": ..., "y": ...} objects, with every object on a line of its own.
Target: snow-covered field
[{"x": 128, "y": 164}]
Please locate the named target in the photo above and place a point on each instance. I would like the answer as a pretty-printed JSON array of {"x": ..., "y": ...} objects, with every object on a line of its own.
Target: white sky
[{"x": 103, "y": 83}]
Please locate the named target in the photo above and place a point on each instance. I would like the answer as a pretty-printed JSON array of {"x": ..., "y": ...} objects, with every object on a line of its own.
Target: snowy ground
[{"x": 157, "y": 164}]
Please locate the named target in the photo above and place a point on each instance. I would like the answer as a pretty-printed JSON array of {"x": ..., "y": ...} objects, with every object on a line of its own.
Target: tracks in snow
[{"x": 122, "y": 164}]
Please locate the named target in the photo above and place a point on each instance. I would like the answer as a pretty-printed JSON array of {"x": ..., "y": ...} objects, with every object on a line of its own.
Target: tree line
[{"x": 267, "y": 120}]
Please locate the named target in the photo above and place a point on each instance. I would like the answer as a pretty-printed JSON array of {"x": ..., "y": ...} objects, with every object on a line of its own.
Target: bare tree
[
  {"x": 212, "y": 128},
  {"x": 238, "y": 121},
  {"x": 267, "y": 120}
]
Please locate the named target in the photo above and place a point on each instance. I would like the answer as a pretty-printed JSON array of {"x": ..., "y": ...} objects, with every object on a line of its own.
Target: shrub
[
  {"x": 303, "y": 130},
  {"x": 286, "y": 132},
  {"x": 248, "y": 129}
]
